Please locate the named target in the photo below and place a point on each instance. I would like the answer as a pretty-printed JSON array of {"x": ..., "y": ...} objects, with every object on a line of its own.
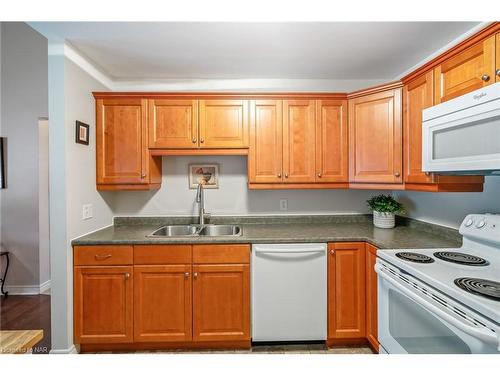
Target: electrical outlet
[
  {"x": 87, "y": 211},
  {"x": 283, "y": 204}
]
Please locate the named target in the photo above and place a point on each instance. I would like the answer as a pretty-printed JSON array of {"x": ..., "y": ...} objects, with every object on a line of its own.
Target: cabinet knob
[
  {"x": 286, "y": 175},
  {"x": 427, "y": 173},
  {"x": 485, "y": 77},
  {"x": 186, "y": 274},
  {"x": 332, "y": 252},
  {"x": 497, "y": 72},
  {"x": 397, "y": 174},
  {"x": 195, "y": 274},
  {"x": 279, "y": 175},
  {"x": 202, "y": 140},
  {"x": 194, "y": 140},
  {"x": 143, "y": 175},
  {"x": 319, "y": 174},
  {"x": 127, "y": 275}
]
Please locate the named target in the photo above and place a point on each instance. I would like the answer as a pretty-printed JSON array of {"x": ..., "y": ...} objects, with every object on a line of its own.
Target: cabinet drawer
[
  {"x": 102, "y": 255},
  {"x": 162, "y": 254},
  {"x": 221, "y": 254}
]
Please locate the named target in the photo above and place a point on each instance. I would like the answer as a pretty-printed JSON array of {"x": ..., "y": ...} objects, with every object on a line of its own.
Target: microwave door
[{"x": 466, "y": 140}]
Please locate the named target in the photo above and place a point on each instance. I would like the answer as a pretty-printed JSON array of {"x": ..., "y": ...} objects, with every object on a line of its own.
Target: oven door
[{"x": 414, "y": 319}]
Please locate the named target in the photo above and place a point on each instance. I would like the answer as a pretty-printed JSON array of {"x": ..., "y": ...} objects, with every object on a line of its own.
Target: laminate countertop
[{"x": 407, "y": 234}]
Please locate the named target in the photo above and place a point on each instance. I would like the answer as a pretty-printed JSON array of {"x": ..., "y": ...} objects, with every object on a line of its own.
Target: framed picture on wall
[
  {"x": 82, "y": 133},
  {"x": 205, "y": 174},
  {"x": 3, "y": 155}
]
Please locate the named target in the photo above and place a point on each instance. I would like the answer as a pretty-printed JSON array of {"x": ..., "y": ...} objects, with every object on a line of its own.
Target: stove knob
[
  {"x": 469, "y": 222},
  {"x": 480, "y": 224}
]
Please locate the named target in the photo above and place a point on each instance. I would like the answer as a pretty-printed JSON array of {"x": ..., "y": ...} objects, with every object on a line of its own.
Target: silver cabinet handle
[
  {"x": 127, "y": 275},
  {"x": 485, "y": 77},
  {"x": 102, "y": 257},
  {"x": 497, "y": 72},
  {"x": 397, "y": 174},
  {"x": 186, "y": 274}
]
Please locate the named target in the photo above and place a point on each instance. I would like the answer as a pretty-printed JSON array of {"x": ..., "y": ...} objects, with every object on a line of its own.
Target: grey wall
[
  {"x": 233, "y": 196},
  {"x": 24, "y": 100},
  {"x": 72, "y": 183},
  {"x": 449, "y": 209}
]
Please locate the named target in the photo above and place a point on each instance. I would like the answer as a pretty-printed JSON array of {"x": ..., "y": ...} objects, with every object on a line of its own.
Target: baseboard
[
  {"x": 24, "y": 290},
  {"x": 70, "y": 350}
]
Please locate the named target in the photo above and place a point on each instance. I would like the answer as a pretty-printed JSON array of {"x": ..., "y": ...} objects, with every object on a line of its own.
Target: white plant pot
[{"x": 384, "y": 219}]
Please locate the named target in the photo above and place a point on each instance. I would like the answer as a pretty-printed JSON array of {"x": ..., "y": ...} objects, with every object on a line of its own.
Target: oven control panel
[{"x": 485, "y": 227}]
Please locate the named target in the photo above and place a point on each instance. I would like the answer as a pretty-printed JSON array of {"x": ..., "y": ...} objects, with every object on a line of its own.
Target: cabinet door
[
  {"x": 376, "y": 138},
  {"x": 371, "y": 297},
  {"x": 417, "y": 95},
  {"x": 162, "y": 303},
  {"x": 346, "y": 290},
  {"x": 221, "y": 302},
  {"x": 467, "y": 71},
  {"x": 497, "y": 49},
  {"x": 173, "y": 123},
  {"x": 223, "y": 123},
  {"x": 299, "y": 141},
  {"x": 265, "y": 155},
  {"x": 121, "y": 141},
  {"x": 102, "y": 304},
  {"x": 331, "y": 141}
]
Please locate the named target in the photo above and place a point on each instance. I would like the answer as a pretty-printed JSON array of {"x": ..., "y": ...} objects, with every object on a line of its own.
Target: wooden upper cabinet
[
  {"x": 375, "y": 136},
  {"x": 221, "y": 302},
  {"x": 371, "y": 297},
  {"x": 417, "y": 95},
  {"x": 121, "y": 141},
  {"x": 332, "y": 158},
  {"x": 497, "y": 59},
  {"x": 467, "y": 71},
  {"x": 265, "y": 158},
  {"x": 346, "y": 290},
  {"x": 173, "y": 123},
  {"x": 102, "y": 304},
  {"x": 299, "y": 131},
  {"x": 223, "y": 123},
  {"x": 162, "y": 303}
]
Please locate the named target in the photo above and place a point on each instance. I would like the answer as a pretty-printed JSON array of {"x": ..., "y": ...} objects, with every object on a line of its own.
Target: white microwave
[{"x": 462, "y": 136}]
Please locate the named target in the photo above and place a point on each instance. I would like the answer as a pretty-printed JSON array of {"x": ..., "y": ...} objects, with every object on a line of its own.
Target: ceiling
[{"x": 204, "y": 50}]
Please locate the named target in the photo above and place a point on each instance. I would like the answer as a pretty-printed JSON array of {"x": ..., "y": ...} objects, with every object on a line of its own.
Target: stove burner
[
  {"x": 414, "y": 257},
  {"x": 461, "y": 258},
  {"x": 485, "y": 288}
]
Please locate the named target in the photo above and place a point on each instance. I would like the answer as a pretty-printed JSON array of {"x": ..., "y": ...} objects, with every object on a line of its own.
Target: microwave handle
[{"x": 481, "y": 334}]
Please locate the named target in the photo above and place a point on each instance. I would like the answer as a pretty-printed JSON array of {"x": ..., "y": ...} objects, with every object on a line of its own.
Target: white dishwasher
[{"x": 289, "y": 294}]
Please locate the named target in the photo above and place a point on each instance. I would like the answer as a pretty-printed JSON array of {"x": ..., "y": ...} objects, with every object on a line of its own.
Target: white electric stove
[{"x": 443, "y": 300}]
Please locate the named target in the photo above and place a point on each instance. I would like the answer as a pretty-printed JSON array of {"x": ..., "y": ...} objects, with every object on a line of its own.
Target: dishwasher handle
[{"x": 291, "y": 251}]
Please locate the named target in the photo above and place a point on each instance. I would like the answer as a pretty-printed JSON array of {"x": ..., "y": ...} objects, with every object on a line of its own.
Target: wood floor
[{"x": 27, "y": 312}]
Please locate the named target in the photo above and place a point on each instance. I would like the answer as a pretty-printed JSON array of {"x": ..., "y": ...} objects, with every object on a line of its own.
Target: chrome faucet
[{"x": 200, "y": 199}]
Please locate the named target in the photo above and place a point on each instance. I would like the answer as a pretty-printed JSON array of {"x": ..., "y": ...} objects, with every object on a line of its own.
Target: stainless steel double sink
[{"x": 195, "y": 230}]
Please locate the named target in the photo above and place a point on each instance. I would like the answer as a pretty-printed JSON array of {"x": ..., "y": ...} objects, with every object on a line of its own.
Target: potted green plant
[{"x": 385, "y": 208}]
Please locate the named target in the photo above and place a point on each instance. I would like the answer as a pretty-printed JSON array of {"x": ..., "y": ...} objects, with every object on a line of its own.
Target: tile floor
[{"x": 274, "y": 349}]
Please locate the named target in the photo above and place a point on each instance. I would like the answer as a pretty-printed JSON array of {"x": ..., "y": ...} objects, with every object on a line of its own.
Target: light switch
[
  {"x": 283, "y": 204},
  {"x": 87, "y": 211}
]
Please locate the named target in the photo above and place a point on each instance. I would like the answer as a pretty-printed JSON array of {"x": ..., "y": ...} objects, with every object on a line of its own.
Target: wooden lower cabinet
[
  {"x": 162, "y": 303},
  {"x": 346, "y": 291},
  {"x": 140, "y": 302},
  {"x": 103, "y": 304},
  {"x": 221, "y": 302},
  {"x": 371, "y": 297}
]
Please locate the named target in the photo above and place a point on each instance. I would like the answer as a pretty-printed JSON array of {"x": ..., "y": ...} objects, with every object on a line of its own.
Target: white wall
[
  {"x": 43, "y": 205},
  {"x": 233, "y": 196},
  {"x": 72, "y": 183},
  {"x": 24, "y": 100},
  {"x": 449, "y": 209}
]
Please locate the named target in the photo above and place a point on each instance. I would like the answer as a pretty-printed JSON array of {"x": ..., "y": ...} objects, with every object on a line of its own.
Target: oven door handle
[{"x": 484, "y": 335}]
